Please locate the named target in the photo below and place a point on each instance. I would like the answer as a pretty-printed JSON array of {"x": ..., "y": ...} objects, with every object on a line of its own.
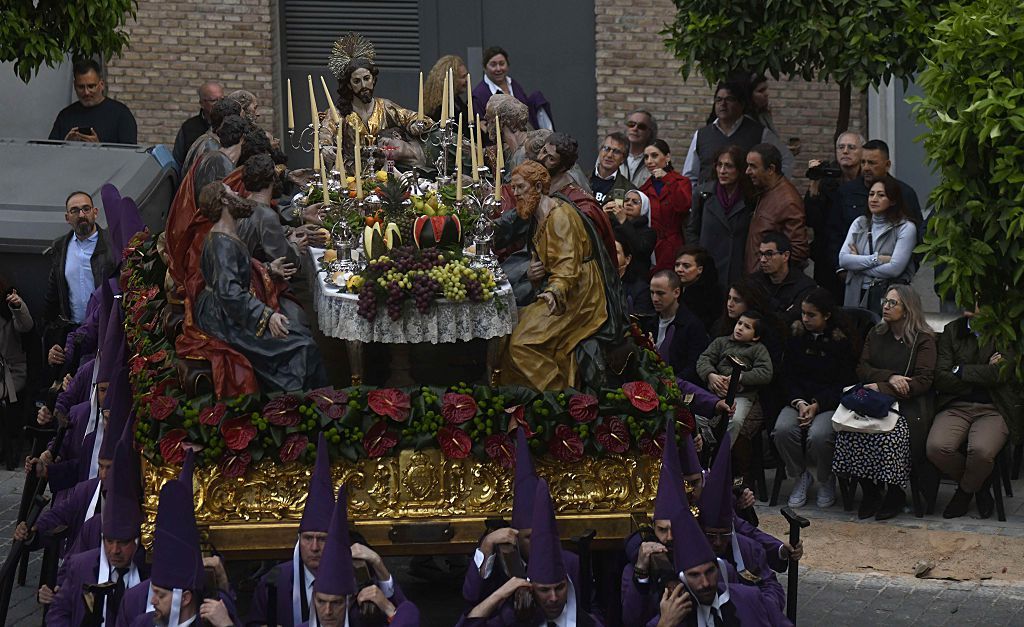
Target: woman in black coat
[{"x": 701, "y": 294}]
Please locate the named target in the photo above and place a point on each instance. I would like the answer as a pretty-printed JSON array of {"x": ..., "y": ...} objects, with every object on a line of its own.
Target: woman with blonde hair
[
  {"x": 898, "y": 360},
  {"x": 433, "y": 88}
]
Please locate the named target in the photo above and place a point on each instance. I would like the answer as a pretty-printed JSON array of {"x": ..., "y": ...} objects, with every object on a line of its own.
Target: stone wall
[
  {"x": 635, "y": 71},
  {"x": 176, "y": 45}
]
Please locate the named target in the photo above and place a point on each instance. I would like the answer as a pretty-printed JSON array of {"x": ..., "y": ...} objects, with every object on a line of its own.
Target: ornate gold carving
[{"x": 412, "y": 485}]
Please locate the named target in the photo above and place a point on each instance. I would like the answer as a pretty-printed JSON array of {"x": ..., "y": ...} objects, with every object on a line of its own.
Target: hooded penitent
[
  {"x": 336, "y": 574},
  {"x": 670, "y": 481},
  {"x": 546, "y": 566},
  {"x": 524, "y": 484}
]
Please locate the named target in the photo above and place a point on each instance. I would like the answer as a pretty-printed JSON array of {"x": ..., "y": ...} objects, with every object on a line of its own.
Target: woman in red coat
[{"x": 671, "y": 196}]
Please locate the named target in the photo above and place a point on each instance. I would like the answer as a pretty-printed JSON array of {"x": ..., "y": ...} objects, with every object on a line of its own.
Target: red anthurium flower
[
  {"x": 282, "y": 411},
  {"x": 652, "y": 446},
  {"x": 212, "y": 415},
  {"x": 517, "y": 418},
  {"x": 455, "y": 443},
  {"x": 237, "y": 432},
  {"x": 160, "y": 407},
  {"x": 613, "y": 435},
  {"x": 642, "y": 395},
  {"x": 293, "y": 446},
  {"x": 235, "y": 464},
  {"x": 136, "y": 364},
  {"x": 378, "y": 440},
  {"x": 326, "y": 398},
  {"x": 158, "y": 356},
  {"x": 685, "y": 422},
  {"x": 171, "y": 447},
  {"x": 458, "y": 408},
  {"x": 390, "y": 402},
  {"x": 566, "y": 444},
  {"x": 500, "y": 448},
  {"x": 583, "y": 407}
]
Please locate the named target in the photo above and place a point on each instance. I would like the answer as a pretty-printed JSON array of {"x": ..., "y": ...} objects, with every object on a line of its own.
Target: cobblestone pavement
[{"x": 826, "y": 598}]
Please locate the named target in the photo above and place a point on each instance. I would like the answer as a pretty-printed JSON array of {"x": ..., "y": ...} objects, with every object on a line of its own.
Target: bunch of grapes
[
  {"x": 423, "y": 290},
  {"x": 396, "y": 296},
  {"x": 367, "y": 304}
]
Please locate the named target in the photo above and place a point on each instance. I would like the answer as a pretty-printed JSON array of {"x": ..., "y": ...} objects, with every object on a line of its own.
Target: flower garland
[{"x": 365, "y": 422}]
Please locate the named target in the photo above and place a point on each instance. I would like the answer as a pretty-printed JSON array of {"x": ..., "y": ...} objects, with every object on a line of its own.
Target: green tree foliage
[
  {"x": 973, "y": 106},
  {"x": 855, "y": 43},
  {"x": 34, "y": 32}
]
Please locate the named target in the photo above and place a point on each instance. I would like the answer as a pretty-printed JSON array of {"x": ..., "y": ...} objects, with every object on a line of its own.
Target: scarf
[{"x": 727, "y": 200}]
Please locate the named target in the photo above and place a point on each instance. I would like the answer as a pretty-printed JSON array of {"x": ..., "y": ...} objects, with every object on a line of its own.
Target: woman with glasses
[
  {"x": 878, "y": 247},
  {"x": 671, "y": 196},
  {"x": 721, "y": 214},
  {"x": 898, "y": 360}
]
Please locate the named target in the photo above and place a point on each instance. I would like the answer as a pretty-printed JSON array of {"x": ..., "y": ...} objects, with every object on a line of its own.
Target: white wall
[{"x": 30, "y": 109}]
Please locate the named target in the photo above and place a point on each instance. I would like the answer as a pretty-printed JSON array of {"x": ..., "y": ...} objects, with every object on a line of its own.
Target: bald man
[{"x": 210, "y": 94}]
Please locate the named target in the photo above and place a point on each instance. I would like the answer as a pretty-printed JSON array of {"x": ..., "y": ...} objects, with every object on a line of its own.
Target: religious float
[{"x": 410, "y": 261}]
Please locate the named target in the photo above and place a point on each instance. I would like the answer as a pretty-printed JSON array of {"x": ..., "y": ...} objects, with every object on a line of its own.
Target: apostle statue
[
  {"x": 571, "y": 304},
  {"x": 381, "y": 123}
]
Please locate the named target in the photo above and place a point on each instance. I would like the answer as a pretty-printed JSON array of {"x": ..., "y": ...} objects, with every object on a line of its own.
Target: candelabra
[
  {"x": 305, "y": 141},
  {"x": 444, "y": 140}
]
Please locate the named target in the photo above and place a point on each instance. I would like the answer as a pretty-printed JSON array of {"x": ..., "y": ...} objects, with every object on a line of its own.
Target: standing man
[
  {"x": 874, "y": 166},
  {"x": 826, "y": 214},
  {"x": 731, "y": 127},
  {"x": 81, "y": 260},
  {"x": 607, "y": 175},
  {"x": 94, "y": 118},
  {"x": 785, "y": 285},
  {"x": 779, "y": 207},
  {"x": 680, "y": 337},
  {"x": 642, "y": 130},
  {"x": 210, "y": 94}
]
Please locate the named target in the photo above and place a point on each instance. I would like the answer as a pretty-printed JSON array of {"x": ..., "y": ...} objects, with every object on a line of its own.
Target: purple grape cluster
[
  {"x": 474, "y": 291},
  {"x": 423, "y": 290},
  {"x": 367, "y": 305},
  {"x": 396, "y": 296}
]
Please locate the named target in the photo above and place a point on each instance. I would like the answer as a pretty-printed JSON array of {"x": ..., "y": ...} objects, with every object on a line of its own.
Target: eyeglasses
[
  {"x": 847, "y": 146},
  {"x": 726, "y": 99},
  {"x": 613, "y": 150},
  {"x": 637, "y": 125},
  {"x": 79, "y": 210},
  {"x": 768, "y": 254},
  {"x": 712, "y": 535},
  {"x": 888, "y": 302}
]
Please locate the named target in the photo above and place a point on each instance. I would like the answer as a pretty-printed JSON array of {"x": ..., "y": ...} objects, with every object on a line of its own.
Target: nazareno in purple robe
[
  {"x": 475, "y": 588},
  {"x": 68, "y": 609},
  {"x": 69, "y": 513},
  {"x": 136, "y": 600},
  {"x": 78, "y": 389}
]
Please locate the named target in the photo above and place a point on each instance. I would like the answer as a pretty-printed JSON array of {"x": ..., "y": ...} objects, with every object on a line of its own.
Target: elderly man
[
  {"x": 514, "y": 117},
  {"x": 94, "y": 118},
  {"x": 210, "y": 94},
  {"x": 608, "y": 177},
  {"x": 641, "y": 130},
  {"x": 730, "y": 127},
  {"x": 825, "y": 211},
  {"x": 779, "y": 207}
]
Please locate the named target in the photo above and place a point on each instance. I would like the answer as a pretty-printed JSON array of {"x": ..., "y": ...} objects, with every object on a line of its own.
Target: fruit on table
[{"x": 429, "y": 231}]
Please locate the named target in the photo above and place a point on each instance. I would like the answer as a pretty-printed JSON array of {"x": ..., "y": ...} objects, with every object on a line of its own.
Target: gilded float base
[{"x": 415, "y": 502}]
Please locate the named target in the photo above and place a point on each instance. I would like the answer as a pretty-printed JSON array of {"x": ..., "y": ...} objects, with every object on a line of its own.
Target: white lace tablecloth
[{"x": 446, "y": 321}]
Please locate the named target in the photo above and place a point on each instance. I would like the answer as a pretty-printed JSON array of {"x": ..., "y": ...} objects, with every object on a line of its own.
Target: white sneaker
[
  {"x": 827, "y": 493},
  {"x": 798, "y": 497}
]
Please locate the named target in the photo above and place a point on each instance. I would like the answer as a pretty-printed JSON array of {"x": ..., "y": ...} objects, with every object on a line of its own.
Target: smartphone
[{"x": 619, "y": 196}]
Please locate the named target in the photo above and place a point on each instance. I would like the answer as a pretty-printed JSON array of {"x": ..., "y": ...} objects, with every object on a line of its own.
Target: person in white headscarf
[{"x": 631, "y": 220}]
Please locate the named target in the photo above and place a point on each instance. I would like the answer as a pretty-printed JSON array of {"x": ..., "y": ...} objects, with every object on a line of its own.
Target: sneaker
[
  {"x": 827, "y": 493},
  {"x": 798, "y": 497}
]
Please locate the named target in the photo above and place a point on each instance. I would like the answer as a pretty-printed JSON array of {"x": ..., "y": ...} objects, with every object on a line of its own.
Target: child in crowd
[{"x": 715, "y": 366}]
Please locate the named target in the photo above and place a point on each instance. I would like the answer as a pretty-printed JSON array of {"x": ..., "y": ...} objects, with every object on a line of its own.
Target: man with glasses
[
  {"x": 641, "y": 131},
  {"x": 785, "y": 285},
  {"x": 192, "y": 129},
  {"x": 81, "y": 260},
  {"x": 94, "y": 117},
  {"x": 607, "y": 176},
  {"x": 779, "y": 206},
  {"x": 730, "y": 127},
  {"x": 826, "y": 213}
]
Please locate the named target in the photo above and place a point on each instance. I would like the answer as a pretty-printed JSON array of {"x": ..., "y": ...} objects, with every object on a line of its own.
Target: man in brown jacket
[{"x": 779, "y": 208}]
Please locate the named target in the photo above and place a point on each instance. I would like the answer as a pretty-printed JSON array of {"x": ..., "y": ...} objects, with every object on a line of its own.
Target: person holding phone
[
  {"x": 94, "y": 117},
  {"x": 15, "y": 320},
  {"x": 608, "y": 179}
]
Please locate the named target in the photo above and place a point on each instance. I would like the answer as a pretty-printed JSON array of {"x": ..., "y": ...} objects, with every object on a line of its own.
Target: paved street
[{"x": 836, "y": 599}]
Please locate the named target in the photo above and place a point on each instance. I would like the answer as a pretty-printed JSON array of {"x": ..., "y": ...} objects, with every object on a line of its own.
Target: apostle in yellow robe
[{"x": 571, "y": 305}]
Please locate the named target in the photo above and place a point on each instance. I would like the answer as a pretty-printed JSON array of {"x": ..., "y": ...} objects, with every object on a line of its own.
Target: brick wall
[
  {"x": 176, "y": 45},
  {"x": 635, "y": 71}
]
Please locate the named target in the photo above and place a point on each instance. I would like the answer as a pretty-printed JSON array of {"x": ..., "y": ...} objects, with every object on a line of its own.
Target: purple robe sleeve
[
  {"x": 703, "y": 403},
  {"x": 768, "y": 542},
  {"x": 83, "y": 340},
  {"x": 67, "y": 609},
  {"x": 769, "y": 586},
  {"x": 475, "y": 588},
  {"x": 133, "y": 604},
  {"x": 639, "y": 602},
  {"x": 258, "y": 607},
  {"x": 406, "y": 615},
  {"x": 78, "y": 389},
  {"x": 89, "y": 537}
]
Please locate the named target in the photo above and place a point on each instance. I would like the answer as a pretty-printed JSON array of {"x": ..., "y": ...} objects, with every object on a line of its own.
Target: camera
[{"x": 824, "y": 171}]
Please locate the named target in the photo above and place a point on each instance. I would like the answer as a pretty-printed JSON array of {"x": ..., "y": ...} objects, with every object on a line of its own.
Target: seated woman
[
  {"x": 283, "y": 357},
  {"x": 671, "y": 195},
  {"x": 744, "y": 296},
  {"x": 699, "y": 276},
  {"x": 898, "y": 360},
  {"x": 721, "y": 214},
  {"x": 878, "y": 247},
  {"x": 817, "y": 364}
]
